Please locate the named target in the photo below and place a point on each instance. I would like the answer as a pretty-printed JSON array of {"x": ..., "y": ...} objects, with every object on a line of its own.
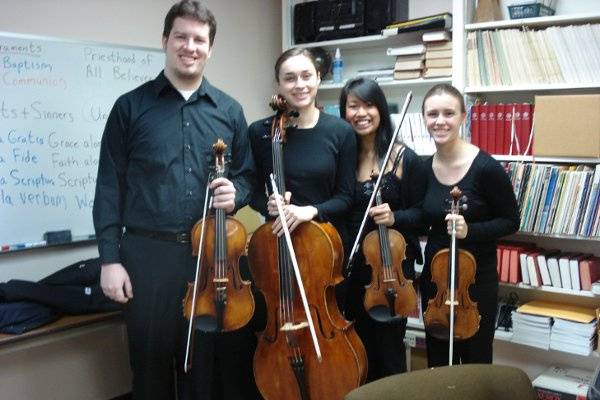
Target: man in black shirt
[{"x": 154, "y": 165}]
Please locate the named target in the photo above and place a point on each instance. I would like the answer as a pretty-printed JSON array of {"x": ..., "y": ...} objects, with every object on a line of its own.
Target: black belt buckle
[{"x": 183, "y": 237}]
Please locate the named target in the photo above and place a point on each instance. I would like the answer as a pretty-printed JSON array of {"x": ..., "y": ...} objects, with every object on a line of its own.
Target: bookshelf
[
  {"x": 369, "y": 52},
  {"x": 529, "y": 358}
]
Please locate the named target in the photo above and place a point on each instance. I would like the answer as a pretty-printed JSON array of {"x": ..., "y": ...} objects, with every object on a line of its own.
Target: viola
[
  {"x": 296, "y": 358},
  {"x": 389, "y": 295},
  {"x": 451, "y": 314},
  {"x": 219, "y": 299}
]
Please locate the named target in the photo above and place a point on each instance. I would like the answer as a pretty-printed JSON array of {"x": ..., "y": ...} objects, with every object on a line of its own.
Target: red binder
[
  {"x": 508, "y": 115},
  {"x": 499, "y": 135},
  {"x": 475, "y": 109},
  {"x": 483, "y": 127},
  {"x": 589, "y": 272},
  {"x": 491, "y": 135}
]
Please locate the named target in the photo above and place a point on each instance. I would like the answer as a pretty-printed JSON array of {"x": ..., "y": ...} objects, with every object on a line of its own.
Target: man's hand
[
  {"x": 223, "y": 194},
  {"x": 115, "y": 282}
]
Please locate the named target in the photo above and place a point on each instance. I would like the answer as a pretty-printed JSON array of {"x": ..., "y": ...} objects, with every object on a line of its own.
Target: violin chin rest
[
  {"x": 205, "y": 323},
  {"x": 381, "y": 313}
]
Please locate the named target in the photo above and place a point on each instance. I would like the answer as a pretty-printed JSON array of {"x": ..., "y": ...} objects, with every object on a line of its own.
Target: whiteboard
[{"x": 55, "y": 97}]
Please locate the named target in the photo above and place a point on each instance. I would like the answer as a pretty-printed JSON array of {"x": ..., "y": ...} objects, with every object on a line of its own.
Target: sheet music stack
[
  {"x": 438, "y": 54},
  {"x": 410, "y": 61}
]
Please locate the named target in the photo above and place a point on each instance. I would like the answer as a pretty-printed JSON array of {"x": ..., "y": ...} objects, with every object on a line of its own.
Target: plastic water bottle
[{"x": 337, "y": 67}]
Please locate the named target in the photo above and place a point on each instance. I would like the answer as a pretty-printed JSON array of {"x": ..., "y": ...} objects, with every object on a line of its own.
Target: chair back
[{"x": 457, "y": 382}]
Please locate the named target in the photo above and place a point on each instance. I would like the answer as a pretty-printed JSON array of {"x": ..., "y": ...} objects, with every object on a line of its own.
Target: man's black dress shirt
[{"x": 155, "y": 160}]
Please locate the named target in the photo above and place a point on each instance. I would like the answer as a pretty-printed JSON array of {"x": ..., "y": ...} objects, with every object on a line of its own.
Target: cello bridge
[
  {"x": 289, "y": 327},
  {"x": 220, "y": 280}
]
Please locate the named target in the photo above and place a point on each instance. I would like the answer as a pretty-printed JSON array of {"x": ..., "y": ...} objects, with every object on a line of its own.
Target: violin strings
[{"x": 284, "y": 268}]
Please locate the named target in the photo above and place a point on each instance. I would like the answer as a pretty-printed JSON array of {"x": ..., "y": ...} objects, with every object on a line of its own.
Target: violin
[
  {"x": 218, "y": 300},
  {"x": 451, "y": 314},
  {"x": 389, "y": 295},
  {"x": 296, "y": 358}
]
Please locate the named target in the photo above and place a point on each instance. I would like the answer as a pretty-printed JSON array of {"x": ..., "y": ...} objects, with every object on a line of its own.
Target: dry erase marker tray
[{"x": 533, "y": 10}]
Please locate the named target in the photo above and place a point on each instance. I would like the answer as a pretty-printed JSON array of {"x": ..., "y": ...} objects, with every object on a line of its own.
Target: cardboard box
[{"x": 567, "y": 126}]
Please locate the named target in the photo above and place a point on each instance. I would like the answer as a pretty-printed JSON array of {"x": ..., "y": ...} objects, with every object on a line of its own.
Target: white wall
[{"x": 247, "y": 43}]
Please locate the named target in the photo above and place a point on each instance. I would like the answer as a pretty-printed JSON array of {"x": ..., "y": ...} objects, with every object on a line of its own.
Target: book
[
  {"x": 535, "y": 277},
  {"x": 433, "y": 54},
  {"x": 562, "y": 383},
  {"x": 437, "y": 21},
  {"x": 437, "y": 36},
  {"x": 438, "y": 45},
  {"x": 436, "y": 72},
  {"x": 475, "y": 110},
  {"x": 542, "y": 260},
  {"x": 499, "y": 134},
  {"x": 589, "y": 272},
  {"x": 574, "y": 269},
  {"x": 553, "y": 269},
  {"x": 403, "y": 65},
  {"x": 406, "y": 50},
  {"x": 439, "y": 63},
  {"x": 565, "y": 270},
  {"x": 400, "y": 75}
]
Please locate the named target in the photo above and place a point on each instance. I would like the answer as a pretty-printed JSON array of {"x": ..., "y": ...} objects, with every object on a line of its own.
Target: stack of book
[
  {"x": 438, "y": 54},
  {"x": 409, "y": 61},
  {"x": 558, "y": 326},
  {"x": 573, "y": 337},
  {"x": 563, "y": 383},
  {"x": 531, "y": 330}
]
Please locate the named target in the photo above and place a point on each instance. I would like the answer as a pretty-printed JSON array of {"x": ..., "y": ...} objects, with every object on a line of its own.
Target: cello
[
  {"x": 451, "y": 314},
  {"x": 389, "y": 295},
  {"x": 296, "y": 358},
  {"x": 218, "y": 300}
]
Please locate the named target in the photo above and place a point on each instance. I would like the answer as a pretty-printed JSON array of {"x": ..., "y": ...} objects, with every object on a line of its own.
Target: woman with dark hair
[
  {"x": 492, "y": 213},
  {"x": 319, "y": 154},
  {"x": 364, "y": 106}
]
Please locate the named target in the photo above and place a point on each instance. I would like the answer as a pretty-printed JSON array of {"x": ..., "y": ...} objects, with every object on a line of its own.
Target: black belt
[{"x": 180, "y": 237}]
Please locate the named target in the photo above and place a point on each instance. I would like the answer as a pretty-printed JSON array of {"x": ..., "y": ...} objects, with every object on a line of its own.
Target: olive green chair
[{"x": 458, "y": 382}]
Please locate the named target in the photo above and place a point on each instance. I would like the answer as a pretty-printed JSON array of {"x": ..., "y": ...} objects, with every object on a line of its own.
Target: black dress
[
  {"x": 384, "y": 342},
  {"x": 491, "y": 214},
  {"x": 318, "y": 164}
]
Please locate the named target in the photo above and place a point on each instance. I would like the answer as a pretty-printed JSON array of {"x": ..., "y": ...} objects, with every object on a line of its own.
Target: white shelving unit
[
  {"x": 367, "y": 52},
  {"x": 561, "y": 87},
  {"x": 536, "y": 358},
  {"x": 409, "y": 83}
]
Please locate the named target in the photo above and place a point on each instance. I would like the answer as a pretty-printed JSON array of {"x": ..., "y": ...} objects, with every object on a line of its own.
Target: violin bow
[
  {"x": 378, "y": 182},
  {"x": 207, "y": 206},
  {"x": 452, "y": 294},
  {"x": 290, "y": 247}
]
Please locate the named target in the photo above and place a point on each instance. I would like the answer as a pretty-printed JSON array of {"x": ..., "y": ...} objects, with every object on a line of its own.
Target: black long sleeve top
[
  {"x": 155, "y": 160},
  {"x": 319, "y": 166},
  {"x": 492, "y": 213},
  {"x": 405, "y": 197}
]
